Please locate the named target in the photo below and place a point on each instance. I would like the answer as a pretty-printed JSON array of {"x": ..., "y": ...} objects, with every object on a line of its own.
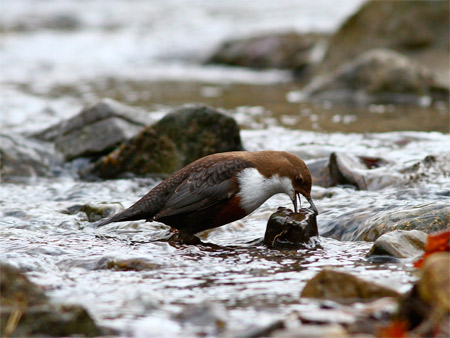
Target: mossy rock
[{"x": 181, "y": 137}]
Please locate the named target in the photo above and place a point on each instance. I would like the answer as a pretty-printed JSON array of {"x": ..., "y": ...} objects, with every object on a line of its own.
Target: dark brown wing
[{"x": 206, "y": 185}]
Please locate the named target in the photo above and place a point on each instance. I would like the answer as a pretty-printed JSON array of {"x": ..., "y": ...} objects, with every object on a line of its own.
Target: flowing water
[{"x": 147, "y": 55}]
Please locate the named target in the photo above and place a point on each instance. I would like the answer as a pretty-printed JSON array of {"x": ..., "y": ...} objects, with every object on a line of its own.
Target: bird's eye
[{"x": 299, "y": 180}]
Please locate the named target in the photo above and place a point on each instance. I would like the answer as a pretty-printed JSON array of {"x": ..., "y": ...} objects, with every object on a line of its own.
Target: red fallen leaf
[
  {"x": 396, "y": 329},
  {"x": 436, "y": 242}
]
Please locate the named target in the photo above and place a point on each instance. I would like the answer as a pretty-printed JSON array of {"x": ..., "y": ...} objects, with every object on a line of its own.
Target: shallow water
[
  {"x": 235, "y": 284},
  {"x": 240, "y": 282}
]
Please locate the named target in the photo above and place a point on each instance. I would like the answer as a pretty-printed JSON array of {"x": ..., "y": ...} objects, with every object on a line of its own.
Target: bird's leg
[{"x": 180, "y": 237}]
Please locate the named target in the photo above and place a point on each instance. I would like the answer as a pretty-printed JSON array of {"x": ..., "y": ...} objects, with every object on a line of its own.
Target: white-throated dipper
[{"x": 221, "y": 188}]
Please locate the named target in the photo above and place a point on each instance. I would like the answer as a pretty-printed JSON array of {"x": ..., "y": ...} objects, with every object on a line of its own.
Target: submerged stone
[
  {"x": 289, "y": 230},
  {"x": 98, "y": 211},
  {"x": 427, "y": 218},
  {"x": 181, "y": 137},
  {"x": 27, "y": 312},
  {"x": 207, "y": 317},
  {"x": 127, "y": 264},
  {"x": 399, "y": 244},
  {"x": 344, "y": 287}
]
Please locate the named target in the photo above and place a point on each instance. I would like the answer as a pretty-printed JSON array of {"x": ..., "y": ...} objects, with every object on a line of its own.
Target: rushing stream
[{"x": 122, "y": 274}]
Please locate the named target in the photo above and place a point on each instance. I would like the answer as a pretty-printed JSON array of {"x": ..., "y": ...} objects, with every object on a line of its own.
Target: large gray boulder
[
  {"x": 181, "y": 137},
  {"x": 96, "y": 130},
  {"x": 419, "y": 29},
  {"x": 380, "y": 76}
]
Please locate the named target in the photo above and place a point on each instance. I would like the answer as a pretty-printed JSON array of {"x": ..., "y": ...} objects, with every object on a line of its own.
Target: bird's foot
[{"x": 181, "y": 238}]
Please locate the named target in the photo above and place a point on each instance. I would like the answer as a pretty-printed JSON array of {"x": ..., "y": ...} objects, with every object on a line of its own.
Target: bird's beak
[
  {"x": 294, "y": 201},
  {"x": 313, "y": 207}
]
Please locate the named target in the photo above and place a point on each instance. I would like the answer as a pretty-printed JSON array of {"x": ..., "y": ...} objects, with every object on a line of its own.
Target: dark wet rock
[
  {"x": 286, "y": 51},
  {"x": 379, "y": 76},
  {"x": 399, "y": 244},
  {"x": 129, "y": 264},
  {"x": 289, "y": 230},
  {"x": 344, "y": 287},
  {"x": 26, "y": 311},
  {"x": 181, "y": 137},
  {"x": 21, "y": 156},
  {"x": 98, "y": 211},
  {"x": 419, "y": 29},
  {"x": 96, "y": 130},
  {"x": 426, "y": 218},
  {"x": 426, "y": 308}
]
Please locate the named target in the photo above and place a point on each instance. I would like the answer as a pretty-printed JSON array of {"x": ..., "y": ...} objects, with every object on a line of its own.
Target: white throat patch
[{"x": 256, "y": 189}]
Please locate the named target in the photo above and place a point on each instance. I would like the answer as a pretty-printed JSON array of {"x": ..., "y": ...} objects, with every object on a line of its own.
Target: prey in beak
[{"x": 308, "y": 198}]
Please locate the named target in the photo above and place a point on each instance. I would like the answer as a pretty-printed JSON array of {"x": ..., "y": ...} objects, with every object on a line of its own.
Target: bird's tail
[{"x": 130, "y": 214}]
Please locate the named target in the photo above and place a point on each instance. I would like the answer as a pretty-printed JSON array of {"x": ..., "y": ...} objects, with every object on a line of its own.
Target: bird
[{"x": 221, "y": 188}]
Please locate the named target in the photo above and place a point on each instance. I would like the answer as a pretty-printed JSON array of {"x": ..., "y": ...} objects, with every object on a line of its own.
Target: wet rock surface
[
  {"x": 21, "y": 156},
  {"x": 344, "y": 287},
  {"x": 97, "y": 129},
  {"x": 27, "y": 312},
  {"x": 399, "y": 244},
  {"x": 130, "y": 264},
  {"x": 368, "y": 224},
  {"x": 96, "y": 212},
  {"x": 287, "y": 51},
  {"x": 362, "y": 172},
  {"x": 419, "y": 29},
  {"x": 181, "y": 137},
  {"x": 378, "y": 76},
  {"x": 426, "y": 218},
  {"x": 287, "y": 230}
]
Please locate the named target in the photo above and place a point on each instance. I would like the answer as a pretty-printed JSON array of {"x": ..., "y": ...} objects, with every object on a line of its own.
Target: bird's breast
[{"x": 255, "y": 188}]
